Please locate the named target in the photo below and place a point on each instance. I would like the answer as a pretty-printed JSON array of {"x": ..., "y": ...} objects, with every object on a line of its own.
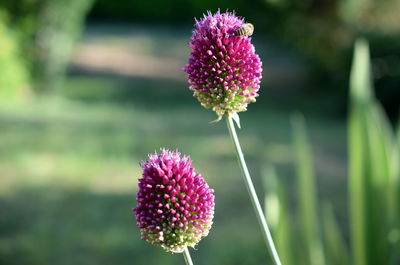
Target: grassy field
[{"x": 69, "y": 168}]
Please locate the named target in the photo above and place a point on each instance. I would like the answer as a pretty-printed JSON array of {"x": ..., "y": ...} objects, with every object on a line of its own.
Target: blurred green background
[{"x": 89, "y": 87}]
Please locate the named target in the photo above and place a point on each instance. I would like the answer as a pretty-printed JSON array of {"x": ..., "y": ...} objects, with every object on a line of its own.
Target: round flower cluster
[
  {"x": 224, "y": 72},
  {"x": 176, "y": 206}
]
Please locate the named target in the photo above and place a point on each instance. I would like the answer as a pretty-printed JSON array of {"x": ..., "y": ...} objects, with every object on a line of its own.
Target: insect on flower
[{"x": 245, "y": 29}]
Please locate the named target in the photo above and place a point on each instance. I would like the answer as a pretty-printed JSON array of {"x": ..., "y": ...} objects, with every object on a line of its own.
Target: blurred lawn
[{"x": 69, "y": 168}]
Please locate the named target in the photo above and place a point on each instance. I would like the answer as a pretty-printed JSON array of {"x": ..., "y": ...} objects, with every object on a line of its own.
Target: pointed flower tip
[
  {"x": 236, "y": 118},
  {"x": 217, "y": 120},
  {"x": 224, "y": 72},
  {"x": 175, "y": 205}
]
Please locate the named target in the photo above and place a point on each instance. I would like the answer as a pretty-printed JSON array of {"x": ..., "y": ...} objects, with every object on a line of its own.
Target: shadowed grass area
[
  {"x": 56, "y": 226},
  {"x": 64, "y": 226}
]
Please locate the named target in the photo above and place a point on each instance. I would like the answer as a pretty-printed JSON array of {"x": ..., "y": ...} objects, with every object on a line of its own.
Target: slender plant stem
[
  {"x": 188, "y": 259},
  {"x": 252, "y": 192}
]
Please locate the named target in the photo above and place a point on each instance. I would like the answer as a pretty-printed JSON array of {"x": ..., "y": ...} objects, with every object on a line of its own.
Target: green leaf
[
  {"x": 360, "y": 75},
  {"x": 277, "y": 215},
  {"x": 307, "y": 193},
  {"x": 373, "y": 168},
  {"x": 357, "y": 188},
  {"x": 336, "y": 249}
]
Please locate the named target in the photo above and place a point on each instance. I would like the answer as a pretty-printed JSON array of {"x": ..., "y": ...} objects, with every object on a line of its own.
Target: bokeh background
[{"x": 89, "y": 87}]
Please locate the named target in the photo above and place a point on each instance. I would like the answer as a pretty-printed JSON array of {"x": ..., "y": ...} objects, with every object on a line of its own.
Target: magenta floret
[
  {"x": 224, "y": 72},
  {"x": 176, "y": 206}
]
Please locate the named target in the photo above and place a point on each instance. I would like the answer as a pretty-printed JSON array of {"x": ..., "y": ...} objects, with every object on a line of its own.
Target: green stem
[
  {"x": 187, "y": 257},
  {"x": 252, "y": 192}
]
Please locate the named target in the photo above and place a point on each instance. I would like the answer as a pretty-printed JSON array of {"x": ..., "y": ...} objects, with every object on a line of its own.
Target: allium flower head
[
  {"x": 224, "y": 71},
  {"x": 176, "y": 206}
]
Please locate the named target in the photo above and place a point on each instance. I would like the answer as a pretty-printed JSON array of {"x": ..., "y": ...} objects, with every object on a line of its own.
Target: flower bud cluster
[
  {"x": 224, "y": 72},
  {"x": 176, "y": 206}
]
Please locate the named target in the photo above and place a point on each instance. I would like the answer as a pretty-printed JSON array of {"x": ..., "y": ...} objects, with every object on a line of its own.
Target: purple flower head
[
  {"x": 224, "y": 71},
  {"x": 176, "y": 206}
]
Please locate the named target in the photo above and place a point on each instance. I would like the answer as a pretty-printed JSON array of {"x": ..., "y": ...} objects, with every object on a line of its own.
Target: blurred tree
[
  {"x": 14, "y": 77},
  {"x": 174, "y": 11},
  {"x": 47, "y": 31},
  {"x": 372, "y": 16},
  {"x": 59, "y": 25},
  {"x": 378, "y": 20},
  {"x": 324, "y": 30},
  {"x": 22, "y": 15}
]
